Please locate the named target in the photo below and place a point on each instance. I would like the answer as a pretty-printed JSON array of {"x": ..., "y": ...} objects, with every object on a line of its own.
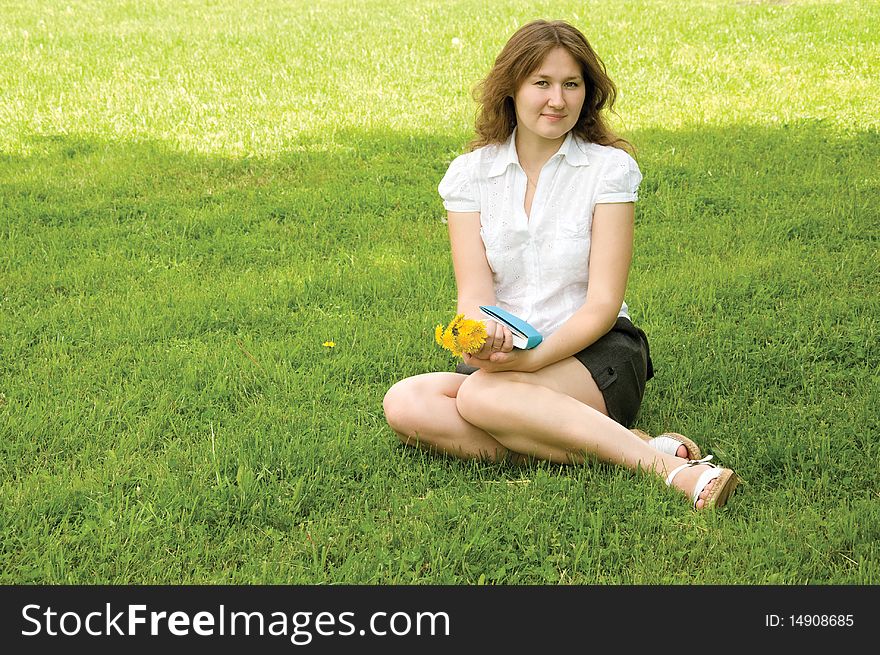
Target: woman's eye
[{"x": 571, "y": 85}]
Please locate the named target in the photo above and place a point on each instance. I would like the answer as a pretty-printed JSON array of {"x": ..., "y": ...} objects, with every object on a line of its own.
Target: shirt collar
[
  {"x": 506, "y": 156},
  {"x": 571, "y": 150}
]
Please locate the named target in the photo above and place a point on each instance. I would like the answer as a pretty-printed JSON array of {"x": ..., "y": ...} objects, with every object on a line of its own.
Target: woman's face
[{"x": 548, "y": 102}]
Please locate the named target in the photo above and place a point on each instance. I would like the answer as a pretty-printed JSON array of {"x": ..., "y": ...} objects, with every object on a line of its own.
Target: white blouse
[{"x": 540, "y": 262}]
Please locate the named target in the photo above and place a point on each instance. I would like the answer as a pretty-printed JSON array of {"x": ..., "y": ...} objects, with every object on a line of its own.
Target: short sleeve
[
  {"x": 620, "y": 179},
  {"x": 457, "y": 188}
]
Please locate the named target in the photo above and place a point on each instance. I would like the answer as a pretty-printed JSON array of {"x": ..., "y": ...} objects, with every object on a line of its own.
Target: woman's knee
[
  {"x": 397, "y": 405},
  {"x": 482, "y": 392},
  {"x": 409, "y": 404}
]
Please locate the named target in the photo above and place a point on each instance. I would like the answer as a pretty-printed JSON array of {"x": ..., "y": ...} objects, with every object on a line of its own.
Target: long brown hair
[{"x": 520, "y": 57}]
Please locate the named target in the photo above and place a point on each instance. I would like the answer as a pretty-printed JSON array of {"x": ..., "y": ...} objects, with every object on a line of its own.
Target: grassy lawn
[{"x": 196, "y": 196}]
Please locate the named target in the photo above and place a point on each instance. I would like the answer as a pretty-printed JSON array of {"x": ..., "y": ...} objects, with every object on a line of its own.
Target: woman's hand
[
  {"x": 510, "y": 360},
  {"x": 499, "y": 339}
]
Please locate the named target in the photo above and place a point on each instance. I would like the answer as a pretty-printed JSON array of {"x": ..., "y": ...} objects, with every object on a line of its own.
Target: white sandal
[
  {"x": 725, "y": 482},
  {"x": 669, "y": 443}
]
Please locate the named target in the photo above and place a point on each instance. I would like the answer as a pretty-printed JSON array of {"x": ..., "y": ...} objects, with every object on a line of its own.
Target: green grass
[{"x": 195, "y": 196}]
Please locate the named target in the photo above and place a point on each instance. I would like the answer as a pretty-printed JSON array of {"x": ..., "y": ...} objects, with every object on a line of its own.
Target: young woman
[{"x": 540, "y": 217}]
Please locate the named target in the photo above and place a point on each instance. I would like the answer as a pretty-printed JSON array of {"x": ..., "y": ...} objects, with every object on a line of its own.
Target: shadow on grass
[{"x": 737, "y": 226}]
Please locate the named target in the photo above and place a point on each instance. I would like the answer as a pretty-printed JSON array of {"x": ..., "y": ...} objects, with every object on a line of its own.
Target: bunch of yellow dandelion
[{"x": 462, "y": 335}]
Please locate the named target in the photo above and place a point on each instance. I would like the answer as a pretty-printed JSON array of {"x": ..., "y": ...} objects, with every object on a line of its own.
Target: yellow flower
[
  {"x": 329, "y": 344},
  {"x": 462, "y": 335},
  {"x": 471, "y": 336},
  {"x": 449, "y": 341}
]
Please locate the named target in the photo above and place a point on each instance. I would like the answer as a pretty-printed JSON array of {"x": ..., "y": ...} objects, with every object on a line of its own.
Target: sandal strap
[
  {"x": 688, "y": 464},
  {"x": 666, "y": 444},
  {"x": 707, "y": 476}
]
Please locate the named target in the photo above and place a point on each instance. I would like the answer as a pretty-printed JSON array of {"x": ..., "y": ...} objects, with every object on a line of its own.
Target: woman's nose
[{"x": 556, "y": 99}]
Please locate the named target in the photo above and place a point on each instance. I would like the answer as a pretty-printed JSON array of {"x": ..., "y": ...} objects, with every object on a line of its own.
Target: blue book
[{"x": 524, "y": 335}]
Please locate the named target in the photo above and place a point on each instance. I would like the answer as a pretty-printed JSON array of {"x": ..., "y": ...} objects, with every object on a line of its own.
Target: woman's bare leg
[
  {"x": 546, "y": 415},
  {"x": 421, "y": 410}
]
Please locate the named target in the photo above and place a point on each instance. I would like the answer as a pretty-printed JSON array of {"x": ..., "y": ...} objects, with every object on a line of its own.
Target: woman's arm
[
  {"x": 473, "y": 278},
  {"x": 611, "y": 246}
]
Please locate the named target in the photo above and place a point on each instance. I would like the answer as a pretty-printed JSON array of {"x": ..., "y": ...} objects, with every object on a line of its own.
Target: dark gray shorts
[{"x": 620, "y": 363}]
